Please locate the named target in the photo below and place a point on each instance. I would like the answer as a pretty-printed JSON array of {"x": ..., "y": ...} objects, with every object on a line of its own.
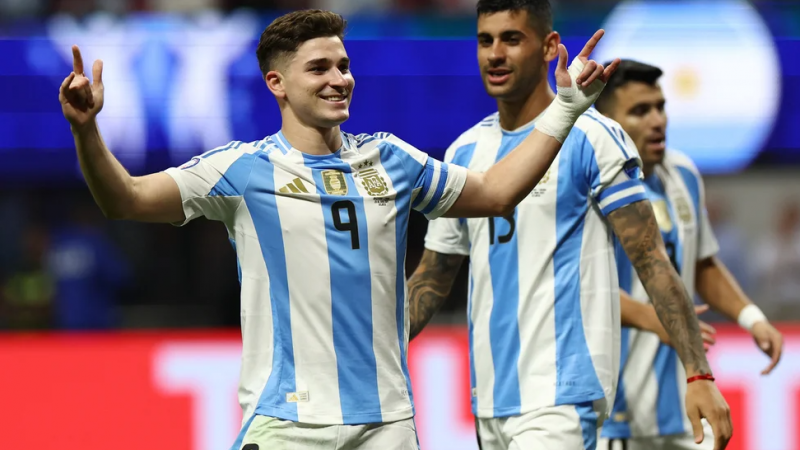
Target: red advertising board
[{"x": 177, "y": 390}]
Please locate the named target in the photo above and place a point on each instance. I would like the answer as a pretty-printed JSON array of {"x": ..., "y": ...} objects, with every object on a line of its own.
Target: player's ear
[
  {"x": 275, "y": 83},
  {"x": 550, "y": 46}
]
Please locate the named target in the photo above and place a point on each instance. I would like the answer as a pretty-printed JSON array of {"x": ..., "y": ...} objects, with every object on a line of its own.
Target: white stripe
[
  {"x": 256, "y": 313},
  {"x": 437, "y": 172},
  {"x": 309, "y": 303},
  {"x": 480, "y": 314},
  {"x": 600, "y": 310},
  {"x": 633, "y": 190},
  {"x": 537, "y": 323}
]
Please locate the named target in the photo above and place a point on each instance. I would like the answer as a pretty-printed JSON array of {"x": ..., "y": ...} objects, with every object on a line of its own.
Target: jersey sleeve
[
  {"x": 612, "y": 163},
  {"x": 436, "y": 185},
  {"x": 447, "y": 235},
  {"x": 212, "y": 184}
]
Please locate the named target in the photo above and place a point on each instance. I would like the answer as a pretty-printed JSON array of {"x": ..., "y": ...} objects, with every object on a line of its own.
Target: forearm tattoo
[
  {"x": 430, "y": 286},
  {"x": 638, "y": 232}
]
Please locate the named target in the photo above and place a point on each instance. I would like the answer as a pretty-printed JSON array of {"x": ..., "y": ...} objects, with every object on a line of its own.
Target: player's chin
[
  {"x": 498, "y": 91},
  {"x": 335, "y": 118}
]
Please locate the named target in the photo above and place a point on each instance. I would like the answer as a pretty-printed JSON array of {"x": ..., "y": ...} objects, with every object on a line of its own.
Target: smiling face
[
  {"x": 512, "y": 55},
  {"x": 315, "y": 82}
]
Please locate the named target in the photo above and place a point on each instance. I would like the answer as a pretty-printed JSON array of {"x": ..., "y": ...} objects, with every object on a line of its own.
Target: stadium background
[{"x": 125, "y": 335}]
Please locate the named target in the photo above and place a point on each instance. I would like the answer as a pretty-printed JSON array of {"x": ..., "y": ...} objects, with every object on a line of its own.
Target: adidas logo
[{"x": 295, "y": 187}]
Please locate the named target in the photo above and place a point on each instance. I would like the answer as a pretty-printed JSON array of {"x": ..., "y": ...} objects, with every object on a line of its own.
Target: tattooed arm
[
  {"x": 429, "y": 287},
  {"x": 636, "y": 228}
]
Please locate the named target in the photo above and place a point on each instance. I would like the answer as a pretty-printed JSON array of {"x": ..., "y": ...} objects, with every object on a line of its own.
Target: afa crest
[
  {"x": 661, "y": 211},
  {"x": 684, "y": 212},
  {"x": 373, "y": 182},
  {"x": 333, "y": 182}
]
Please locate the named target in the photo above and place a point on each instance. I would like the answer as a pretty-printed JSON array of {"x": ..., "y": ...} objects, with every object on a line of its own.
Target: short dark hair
[
  {"x": 286, "y": 33},
  {"x": 539, "y": 11},
  {"x": 628, "y": 71}
]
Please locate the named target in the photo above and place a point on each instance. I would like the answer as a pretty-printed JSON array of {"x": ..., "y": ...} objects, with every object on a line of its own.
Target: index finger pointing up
[
  {"x": 77, "y": 60},
  {"x": 590, "y": 45}
]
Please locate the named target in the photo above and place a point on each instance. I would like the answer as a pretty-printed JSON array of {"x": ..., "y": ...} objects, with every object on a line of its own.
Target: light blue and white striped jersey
[
  {"x": 652, "y": 387},
  {"x": 544, "y": 301},
  {"x": 321, "y": 246}
]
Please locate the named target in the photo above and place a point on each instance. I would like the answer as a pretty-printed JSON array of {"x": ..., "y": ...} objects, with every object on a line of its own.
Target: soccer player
[
  {"x": 648, "y": 412},
  {"x": 543, "y": 312},
  {"x": 319, "y": 218}
]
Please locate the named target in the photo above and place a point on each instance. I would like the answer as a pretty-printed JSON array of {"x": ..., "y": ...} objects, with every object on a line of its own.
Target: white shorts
[
  {"x": 269, "y": 433},
  {"x": 566, "y": 427},
  {"x": 674, "y": 442}
]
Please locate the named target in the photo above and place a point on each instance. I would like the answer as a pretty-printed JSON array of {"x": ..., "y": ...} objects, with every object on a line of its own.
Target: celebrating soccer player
[
  {"x": 544, "y": 314},
  {"x": 648, "y": 411},
  {"x": 319, "y": 219}
]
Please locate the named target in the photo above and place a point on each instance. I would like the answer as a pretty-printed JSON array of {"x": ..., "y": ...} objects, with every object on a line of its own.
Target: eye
[
  {"x": 344, "y": 69},
  {"x": 317, "y": 69}
]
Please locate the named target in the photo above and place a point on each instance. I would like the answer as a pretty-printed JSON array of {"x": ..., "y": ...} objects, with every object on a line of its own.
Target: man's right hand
[{"x": 80, "y": 99}]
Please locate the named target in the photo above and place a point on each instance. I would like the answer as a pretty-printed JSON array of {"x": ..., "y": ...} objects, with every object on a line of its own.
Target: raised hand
[
  {"x": 583, "y": 70},
  {"x": 81, "y": 99}
]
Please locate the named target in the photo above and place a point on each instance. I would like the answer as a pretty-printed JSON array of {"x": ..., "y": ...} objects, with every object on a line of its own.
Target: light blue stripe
[
  {"x": 351, "y": 299},
  {"x": 427, "y": 179},
  {"x": 615, "y": 205},
  {"x": 231, "y": 146},
  {"x": 437, "y": 195},
  {"x": 576, "y": 379},
  {"x": 621, "y": 429},
  {"x": 463, "y": 155},
  {"x": 504, "y": 320},
  {"x": 588, "y": 425},
  {"x": 281, "y": 142},
  {"x": 234, "y": 180},
  {"x": 402, "y": 185},
  {"x": 611, "y": 133},
  {"x": 263, "y": 208},
  {"x": 237, "y": 444},
  {"x": 668, "y": 407},
  {"x": 693, "y": 185},
  {"x": 617, "y": 188}
]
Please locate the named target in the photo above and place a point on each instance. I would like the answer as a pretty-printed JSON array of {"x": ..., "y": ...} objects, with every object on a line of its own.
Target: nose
[
  {"x": 497, "y": 55},
  {"x": 337, "y": 78}
]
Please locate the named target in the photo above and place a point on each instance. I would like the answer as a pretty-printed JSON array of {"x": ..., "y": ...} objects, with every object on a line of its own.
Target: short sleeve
[
  {"x": 436, "y": 185},
  {"x": 449, "y": 236},
  {"x": 613, "y": 164},
  {"x": 212, "y": 184}
]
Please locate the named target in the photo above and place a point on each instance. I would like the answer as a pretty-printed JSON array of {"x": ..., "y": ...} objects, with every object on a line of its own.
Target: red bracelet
[{"x": 700, "y": 377}]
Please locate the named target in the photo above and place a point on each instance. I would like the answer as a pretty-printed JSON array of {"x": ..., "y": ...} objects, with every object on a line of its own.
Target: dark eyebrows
[{"x": 325, "y": 61}]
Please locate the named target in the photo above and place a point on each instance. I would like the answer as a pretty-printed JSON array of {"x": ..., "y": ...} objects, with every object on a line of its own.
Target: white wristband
[
  {"x": 749, "y": 316},
  {"x": 569, "y": 104}
]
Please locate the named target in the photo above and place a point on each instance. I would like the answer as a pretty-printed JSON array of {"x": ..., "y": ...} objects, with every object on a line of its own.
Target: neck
[
  {"x": 516, "y": 113},
  {"x": 647, "y": 169},
  {"x": 310, "y": 139}
]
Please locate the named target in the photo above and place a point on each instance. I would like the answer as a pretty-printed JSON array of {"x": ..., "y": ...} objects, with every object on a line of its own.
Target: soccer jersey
[
  {"x": 652, "y": 386},
  {"x": 544, "y": 301},
  {"x": 321, "y": 243}
]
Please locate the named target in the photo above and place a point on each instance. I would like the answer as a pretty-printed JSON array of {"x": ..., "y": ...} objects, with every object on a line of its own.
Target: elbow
[
  {"x": 503, "y": 209},
  {"x": 114, "y": 212}
]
